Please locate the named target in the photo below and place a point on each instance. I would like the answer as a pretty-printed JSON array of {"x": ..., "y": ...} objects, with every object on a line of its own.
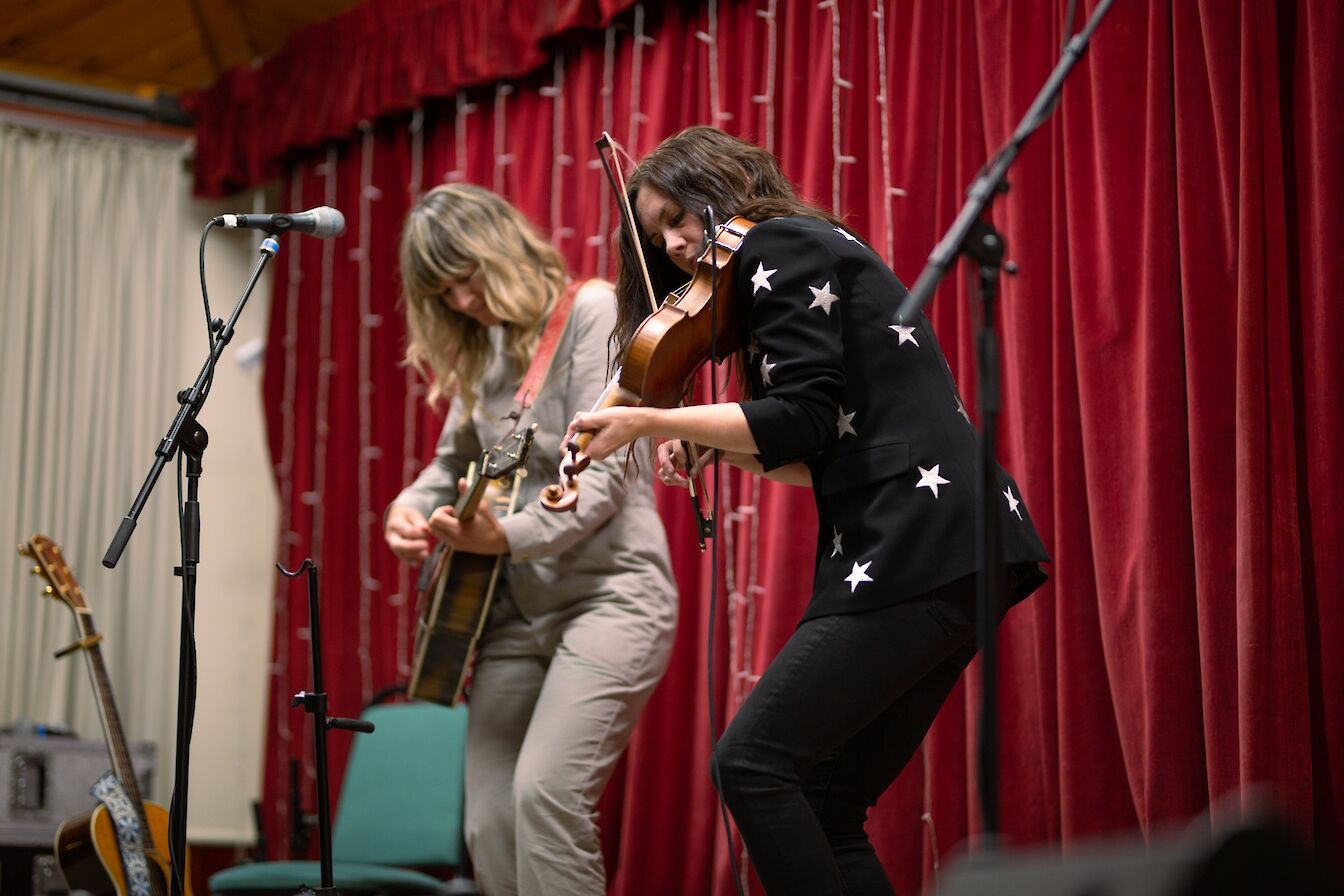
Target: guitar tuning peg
[
  {"x": 48, "y": 590},
  {"x": 23, "y": 549},
  {"x": 37, "y": 570}
]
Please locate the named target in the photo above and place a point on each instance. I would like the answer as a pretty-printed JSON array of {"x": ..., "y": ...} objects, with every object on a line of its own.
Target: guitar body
[
  {"x": 86, "y": 851},
  {"x": 455, "y": 614}
]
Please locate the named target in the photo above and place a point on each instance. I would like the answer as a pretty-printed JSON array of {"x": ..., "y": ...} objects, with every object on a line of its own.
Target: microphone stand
[
  {"x": 187, "y": 434},
  {"x": 973, "y": 235}
]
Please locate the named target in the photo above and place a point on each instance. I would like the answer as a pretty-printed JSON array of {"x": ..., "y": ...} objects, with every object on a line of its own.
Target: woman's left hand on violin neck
[{"x": 722, "y": 426}]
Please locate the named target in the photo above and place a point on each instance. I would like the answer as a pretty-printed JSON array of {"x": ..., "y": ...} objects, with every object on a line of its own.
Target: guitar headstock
[
  {"x": 51, "y": 565},
  {"x": 509, "y": 455}
]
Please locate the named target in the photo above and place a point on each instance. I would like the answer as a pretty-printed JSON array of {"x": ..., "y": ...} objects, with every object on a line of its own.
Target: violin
[{"x": 703, "y": 321}]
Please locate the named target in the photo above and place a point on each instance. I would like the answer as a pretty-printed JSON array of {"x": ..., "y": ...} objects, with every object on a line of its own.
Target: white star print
[
  {"x": 765, "y": 370},
  {"x": 761, "y": 279},
  {"x": 835, "y": 543},
  {"x": 846, "y": 234},
  {"x": 858, "y": 575},
  {"x": 930, "y": 479},
  {"x": 1012, "y": 502},
  {"x": 823, "y": 298},
  {"x": 845, "y": 424},
  {"x": 907, "y": 334}
]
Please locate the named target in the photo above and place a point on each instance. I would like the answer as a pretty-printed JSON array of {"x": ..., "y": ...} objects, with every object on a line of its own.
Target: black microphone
[{"x": 322, "y": 222}]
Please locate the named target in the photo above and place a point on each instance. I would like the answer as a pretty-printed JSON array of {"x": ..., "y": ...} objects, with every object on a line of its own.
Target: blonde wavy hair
[{"x": 454, "y": 232}]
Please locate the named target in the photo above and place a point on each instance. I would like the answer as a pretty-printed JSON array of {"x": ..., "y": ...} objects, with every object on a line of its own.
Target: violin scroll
[{"x": 563, "y": 496}]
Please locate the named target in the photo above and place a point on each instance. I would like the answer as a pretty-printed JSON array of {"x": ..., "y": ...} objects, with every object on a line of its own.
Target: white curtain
[{"x": 97, "y": 264}]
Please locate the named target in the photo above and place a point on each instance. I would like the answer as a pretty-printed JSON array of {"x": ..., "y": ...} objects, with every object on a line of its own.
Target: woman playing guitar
[{"x": 582, "y": 630}]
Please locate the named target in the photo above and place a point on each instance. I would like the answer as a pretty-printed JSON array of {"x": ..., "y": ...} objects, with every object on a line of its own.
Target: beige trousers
[{"x": 552, "y": 705}]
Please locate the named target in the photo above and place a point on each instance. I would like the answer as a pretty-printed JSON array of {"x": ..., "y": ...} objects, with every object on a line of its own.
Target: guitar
[
  {"x": 86, "y": 846},
  {"x": 457, "y": 598}
]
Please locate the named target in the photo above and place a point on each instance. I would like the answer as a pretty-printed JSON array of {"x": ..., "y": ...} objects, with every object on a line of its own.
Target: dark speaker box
[
  {"x": 46, "y": 780},
  {"x": 1256, "y": 858}
]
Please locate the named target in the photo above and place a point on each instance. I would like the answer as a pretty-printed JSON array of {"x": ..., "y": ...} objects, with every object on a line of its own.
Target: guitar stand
[{"x": 315, "y": 703}]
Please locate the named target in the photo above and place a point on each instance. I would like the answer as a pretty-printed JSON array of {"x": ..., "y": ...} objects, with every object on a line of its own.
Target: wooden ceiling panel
[
  {"x": 101, "y": 31},
  {"x": 176, "y": 59},
  {"x": 148, "y": 46},
  {"x": 30, "y": 19}
]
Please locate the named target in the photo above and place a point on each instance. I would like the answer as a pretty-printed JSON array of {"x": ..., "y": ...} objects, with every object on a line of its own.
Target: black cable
[
  {"x": 212, "y": 327},
  {"x": 175, "y": 862},
  {"x": 714, "y": 549}
]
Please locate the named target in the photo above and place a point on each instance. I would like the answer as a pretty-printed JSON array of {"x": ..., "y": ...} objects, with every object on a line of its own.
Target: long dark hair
[{"x": 698, "y": 167}]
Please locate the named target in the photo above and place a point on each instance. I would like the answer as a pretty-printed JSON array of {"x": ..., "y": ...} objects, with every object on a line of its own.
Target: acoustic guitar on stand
[{"x": 87, "y": 850}]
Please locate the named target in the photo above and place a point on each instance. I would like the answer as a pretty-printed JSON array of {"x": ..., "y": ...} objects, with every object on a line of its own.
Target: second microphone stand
[
  {"x": 972, "y": 235},
  {"x": 315, "y": 704}
]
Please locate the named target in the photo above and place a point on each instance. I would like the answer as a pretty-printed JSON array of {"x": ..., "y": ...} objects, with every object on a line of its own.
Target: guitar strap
[
  {"x": 130, "y": 840},
  {"x": 550, "y": 338}
]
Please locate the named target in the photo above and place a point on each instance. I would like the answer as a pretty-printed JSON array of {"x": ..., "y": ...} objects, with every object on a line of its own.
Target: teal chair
[{"x": 400, "y": 808}]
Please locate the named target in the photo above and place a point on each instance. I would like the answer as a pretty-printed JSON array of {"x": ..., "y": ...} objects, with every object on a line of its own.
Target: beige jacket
[{"x": 614, "y": 542}]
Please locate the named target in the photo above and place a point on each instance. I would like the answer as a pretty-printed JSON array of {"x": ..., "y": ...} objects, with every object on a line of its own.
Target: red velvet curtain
[{"x": 1172, "y": 377}]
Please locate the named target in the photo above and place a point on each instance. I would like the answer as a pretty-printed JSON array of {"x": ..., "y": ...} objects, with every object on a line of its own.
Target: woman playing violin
[
  {"x": 866, "y": 414},
  {"x": 582, "y": 629}
]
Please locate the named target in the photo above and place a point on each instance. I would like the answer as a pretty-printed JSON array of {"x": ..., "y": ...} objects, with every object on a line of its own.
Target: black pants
[{"x": 825, "y": 731}]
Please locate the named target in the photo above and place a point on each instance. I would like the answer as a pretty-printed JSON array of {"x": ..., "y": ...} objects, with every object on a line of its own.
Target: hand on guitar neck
[{"x": 479, "y": 533}]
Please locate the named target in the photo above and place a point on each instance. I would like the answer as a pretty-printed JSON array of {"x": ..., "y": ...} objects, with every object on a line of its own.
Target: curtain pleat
[{"x": 88, "y": 352}]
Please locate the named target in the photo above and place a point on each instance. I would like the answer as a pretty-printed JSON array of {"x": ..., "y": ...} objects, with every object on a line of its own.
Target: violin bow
[{"x": 607, "y": 145}]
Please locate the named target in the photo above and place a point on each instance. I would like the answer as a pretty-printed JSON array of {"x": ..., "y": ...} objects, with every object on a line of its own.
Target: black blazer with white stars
[{"x": 873, "y": 411}]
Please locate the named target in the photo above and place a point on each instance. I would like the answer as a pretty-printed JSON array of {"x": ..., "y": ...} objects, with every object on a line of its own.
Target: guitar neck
[
  {"x": 116, "y": 740},
  {"x": 467, "y": 504}
]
